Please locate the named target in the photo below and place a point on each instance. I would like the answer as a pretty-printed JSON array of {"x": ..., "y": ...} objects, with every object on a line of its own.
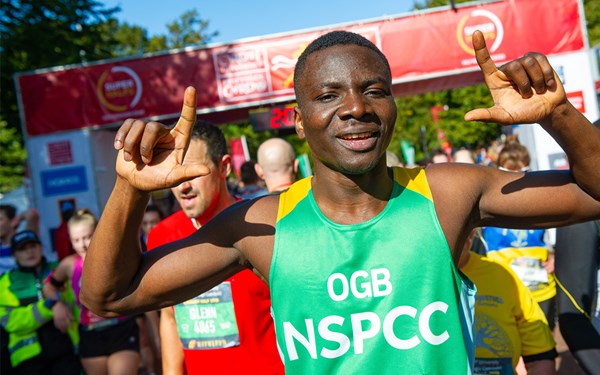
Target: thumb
[
  {"x": 479, "y": 114},
  {"x": 182, "y": 173}
]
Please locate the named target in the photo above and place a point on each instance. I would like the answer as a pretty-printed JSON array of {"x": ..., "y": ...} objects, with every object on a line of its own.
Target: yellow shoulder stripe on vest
[
  {"x": 292, "y": 196},
  {"x": 413, "y": 179}
]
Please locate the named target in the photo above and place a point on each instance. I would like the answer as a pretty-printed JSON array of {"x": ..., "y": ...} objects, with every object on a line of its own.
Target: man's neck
[
  {"x": 225, "y": 200},
  {"x": 279, "y": 186},
  {"x": 351, "y": 199}
]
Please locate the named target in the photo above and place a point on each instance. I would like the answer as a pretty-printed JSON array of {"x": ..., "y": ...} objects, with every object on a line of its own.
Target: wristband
[
  {"x": 55, "y": 283},
  {"x": 49, "y": 303}
]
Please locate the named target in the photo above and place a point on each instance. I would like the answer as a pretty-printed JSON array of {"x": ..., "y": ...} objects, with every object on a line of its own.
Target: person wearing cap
[
  {"x": 9, "y": 222},
  {"x": 42, "y": 333}
]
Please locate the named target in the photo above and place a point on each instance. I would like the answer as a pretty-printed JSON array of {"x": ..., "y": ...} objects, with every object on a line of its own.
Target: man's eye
[
  {"x": 326, "y": 98},
  {"x": 376, "y": 93}
]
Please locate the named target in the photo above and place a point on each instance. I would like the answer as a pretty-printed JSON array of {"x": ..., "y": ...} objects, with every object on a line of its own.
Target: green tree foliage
[
  {"x": 592, "y": 16},
  {"x": 47, "y": 33},
  {"x": 13, "y": 158},
  {"x": 39, "y": 34},
  {"x": 426, "y": 4},
  {"x": 414, "y": 113},
  {"x": 190, "y": 30},
  {"x": 131, "y": 40}
]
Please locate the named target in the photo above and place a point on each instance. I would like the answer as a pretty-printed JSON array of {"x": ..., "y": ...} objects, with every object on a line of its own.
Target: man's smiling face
[{"x": 346, "y": 110}]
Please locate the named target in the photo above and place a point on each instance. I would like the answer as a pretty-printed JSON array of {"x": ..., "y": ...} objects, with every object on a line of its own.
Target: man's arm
[
  {"x": 527, "y": 90},
  {"x": 172, "y": 349},
  {"x": 543, "y": 367},
  {"x": 117, "y": 278},
  {"x": 524, "y": 91}
]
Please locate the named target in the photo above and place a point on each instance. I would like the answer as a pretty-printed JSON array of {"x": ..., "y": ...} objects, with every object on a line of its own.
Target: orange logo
[
  {"x": 119, "y": 89},
  {"x": 486, "y": 22}
]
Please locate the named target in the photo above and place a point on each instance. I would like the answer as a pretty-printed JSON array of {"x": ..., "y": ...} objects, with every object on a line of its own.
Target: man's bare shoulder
[
  {"x": 267, "y": 207},
  {"x": 450, "y": 176},
  {"x": 261, "y": 210},
  {"x": 244, "y": 222},
  {"x": 456, "y": 189},
  {"x": 250, "y": 228}
]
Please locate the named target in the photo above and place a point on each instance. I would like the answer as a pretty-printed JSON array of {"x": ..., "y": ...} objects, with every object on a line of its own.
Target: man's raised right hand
[{"x": 151, "y": 154}]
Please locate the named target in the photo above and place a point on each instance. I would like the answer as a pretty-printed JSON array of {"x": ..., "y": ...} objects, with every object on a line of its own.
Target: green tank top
[{"x": 382, "y": 296}]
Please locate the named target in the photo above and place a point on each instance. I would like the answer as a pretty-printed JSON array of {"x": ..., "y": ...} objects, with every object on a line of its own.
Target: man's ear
[
  {"x": 296, "y": 164},
  {"x": 298, "y": 122},
  {"x": 259, "y": 171},
  {"x": 225, "y": 166}
]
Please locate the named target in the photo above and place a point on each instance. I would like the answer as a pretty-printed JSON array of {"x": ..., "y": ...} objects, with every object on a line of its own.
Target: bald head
[
  {"x": 463, "y": 156},
  {"x": 277, "y": 163}
]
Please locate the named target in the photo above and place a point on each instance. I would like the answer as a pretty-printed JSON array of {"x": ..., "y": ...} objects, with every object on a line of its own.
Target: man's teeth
[{"x": 357, "y": 136}]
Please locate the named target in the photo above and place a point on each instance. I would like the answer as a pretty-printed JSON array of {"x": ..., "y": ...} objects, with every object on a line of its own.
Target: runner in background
[
  {"x": 524, "y": 250},
  {"x": 577, "y": 262},
  {"x": 277, "y": 164},
  {"x": 106, "y": 346},
  {"x": 228, "y": 329},
  {"x": 509, "y": 324},
  {"x": 250, "y": 185},
  {"x": 148, "y": 322}
]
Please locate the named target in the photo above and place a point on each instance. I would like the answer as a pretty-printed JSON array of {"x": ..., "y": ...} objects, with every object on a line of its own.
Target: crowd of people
[{"x": 367, "y": 266}]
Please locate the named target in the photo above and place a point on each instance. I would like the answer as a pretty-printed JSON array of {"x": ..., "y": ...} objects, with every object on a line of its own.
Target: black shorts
[{"x": 105, "y": 341}]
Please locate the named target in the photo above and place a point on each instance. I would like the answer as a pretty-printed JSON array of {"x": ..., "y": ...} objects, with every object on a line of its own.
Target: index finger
[
  {"x": 482, "y": 54},
  {"x": 186, "y": 121}
]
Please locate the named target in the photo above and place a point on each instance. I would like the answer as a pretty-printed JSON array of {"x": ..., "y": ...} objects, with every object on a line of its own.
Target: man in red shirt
[{"x": 229, "y": 329}]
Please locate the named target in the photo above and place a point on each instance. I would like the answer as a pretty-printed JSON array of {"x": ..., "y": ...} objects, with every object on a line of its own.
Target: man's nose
[
  {"x": 354, "y": 105},
  {"x": 184, "y": 186}
]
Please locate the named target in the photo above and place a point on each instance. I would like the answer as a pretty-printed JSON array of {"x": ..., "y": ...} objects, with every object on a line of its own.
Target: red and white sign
[
  {"x": 239, "y": 153},
  {"x": 576, "y": 98},
  {"x": 419, "y": 47},
  {"x": 60, "y": 153}
]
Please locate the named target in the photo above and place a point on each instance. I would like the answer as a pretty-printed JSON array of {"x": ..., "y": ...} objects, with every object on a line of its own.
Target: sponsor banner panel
[
  {"x": 419, "y": 46},
  {"x": 63, "y": 179}
]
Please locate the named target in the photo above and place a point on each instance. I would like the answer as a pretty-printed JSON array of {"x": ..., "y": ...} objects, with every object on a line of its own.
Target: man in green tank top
[{"x": 360, "y": 258}]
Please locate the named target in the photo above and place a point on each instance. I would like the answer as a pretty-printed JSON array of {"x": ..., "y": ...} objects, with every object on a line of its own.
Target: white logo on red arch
[
  {"x": 119, "y": 89},
  {"x": 486, "y": 22}
]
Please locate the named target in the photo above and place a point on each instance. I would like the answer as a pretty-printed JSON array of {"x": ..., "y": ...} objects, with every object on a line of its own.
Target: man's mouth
[
  {"x": 187, "y": 200},
  {"x": 360, "y": 142},
  {"x": 358, "y": 136}
]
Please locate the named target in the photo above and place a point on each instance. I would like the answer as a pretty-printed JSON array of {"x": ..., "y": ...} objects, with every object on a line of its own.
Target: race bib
[
  {"x": 208, "y": 320},
  {"x": 531, "y": 272}
]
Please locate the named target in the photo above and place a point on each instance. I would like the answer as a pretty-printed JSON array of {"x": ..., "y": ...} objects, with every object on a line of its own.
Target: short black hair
[
  {"x": 335, "y": 38},
  {"x": 248, "y": 173},
  {"x": 214, "y": 138},
  {"x": 154, "y": 208},
  {"x": 9, "y": 210}
]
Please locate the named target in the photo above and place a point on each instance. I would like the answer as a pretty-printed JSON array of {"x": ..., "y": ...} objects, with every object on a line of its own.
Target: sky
[{"x": 237, "y": 19}]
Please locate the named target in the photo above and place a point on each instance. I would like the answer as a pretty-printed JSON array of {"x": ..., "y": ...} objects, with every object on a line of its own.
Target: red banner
[
  {"x": 239, "y": 153},
  {"x": 420, "y": 47}
]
